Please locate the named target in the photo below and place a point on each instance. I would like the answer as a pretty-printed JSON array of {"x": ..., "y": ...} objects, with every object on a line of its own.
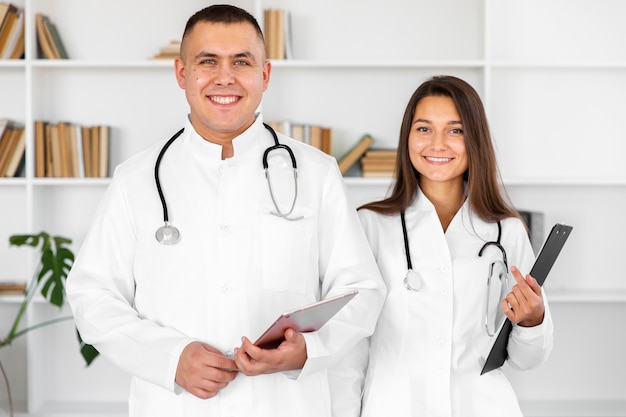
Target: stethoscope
[
  {"x": 169, "y": 235},
  {"x": 413, "y": 281}
]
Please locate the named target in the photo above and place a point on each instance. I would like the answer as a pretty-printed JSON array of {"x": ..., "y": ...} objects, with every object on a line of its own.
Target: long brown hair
[{"x": 486, "y": 194}]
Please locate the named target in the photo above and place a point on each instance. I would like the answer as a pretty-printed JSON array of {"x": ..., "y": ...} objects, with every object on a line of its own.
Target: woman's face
[{"x": 436, "y": 141}]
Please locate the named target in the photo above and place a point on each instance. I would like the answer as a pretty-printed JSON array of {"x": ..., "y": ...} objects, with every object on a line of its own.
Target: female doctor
[
  {"x": 443, "y": 233},
  {"x": 196, "y": 249}
]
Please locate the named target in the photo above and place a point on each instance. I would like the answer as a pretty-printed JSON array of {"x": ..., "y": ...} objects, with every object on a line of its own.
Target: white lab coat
[
  {"x": 234, "y": 270},
  {"x": 428, "y": 347}
]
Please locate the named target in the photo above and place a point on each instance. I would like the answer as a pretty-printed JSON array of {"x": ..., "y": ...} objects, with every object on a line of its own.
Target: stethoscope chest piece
[
  {"x": 167, "y": 234},
  {"x": 412, "y": 280}
]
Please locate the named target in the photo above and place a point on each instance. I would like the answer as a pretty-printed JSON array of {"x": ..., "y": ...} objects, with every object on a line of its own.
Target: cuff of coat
[
  {"x": 173, "y": 366},
  {"x": 315, "y": 352},
  {"x": 529, "y": 332}
]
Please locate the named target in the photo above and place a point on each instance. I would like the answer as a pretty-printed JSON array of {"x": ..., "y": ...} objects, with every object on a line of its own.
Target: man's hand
[
  {"x": 289, "y": 355},
  {"x": 524, "y": 304},
  {"x": 203, "y": 370}
]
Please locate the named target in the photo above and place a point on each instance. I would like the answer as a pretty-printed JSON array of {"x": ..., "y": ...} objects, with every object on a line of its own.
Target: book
[
  {"x": 297, "y": 132},
  {"x": 44, "y": 40},
  {"x": 355, "y": 153},
  {"x": 57, "y": 42},
  {"x": 10, "y": 31},
  {"x": 40, "y": 148},
  {"x": 86, "y": 155},
  {"x": 17, "y": 43},
  {"x": 56, "y": 151},
  {"x": 378, "y": 163},
  {"x": 4, "y": 124},
  {"x": 10, "y": 288},
  {"x": 327, "y": 139},
  {"x": 4, "y": 11},
  {"x": 277, "y": 32},
  {"x": 95, "y": 150},
  {"x": 6, "y": 143},
  {"x": 315, "y": 136},
  {"x": 103, "y": 151},
  {"x": 48, "y": 39},
  {"x": 16, "y": 153},
  {"x": 65, "y": 149},
  {"x": 8, "y": 15},
  {"x": 77, "y": 136},
  {"x": 169, "y": 51}
]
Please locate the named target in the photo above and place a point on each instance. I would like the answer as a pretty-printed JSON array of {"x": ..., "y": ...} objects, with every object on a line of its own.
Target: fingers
[
  {"x": 289, "y": 355},
  {"x": 524, "y": 303},
  {"x": 203, "y": 370}
]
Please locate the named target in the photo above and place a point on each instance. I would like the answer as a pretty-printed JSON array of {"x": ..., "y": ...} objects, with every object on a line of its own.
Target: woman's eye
[{"x": 457, "y": 131}]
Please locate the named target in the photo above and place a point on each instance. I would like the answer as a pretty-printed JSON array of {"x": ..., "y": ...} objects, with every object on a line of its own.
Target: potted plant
[{"x": 55, "y": 261}]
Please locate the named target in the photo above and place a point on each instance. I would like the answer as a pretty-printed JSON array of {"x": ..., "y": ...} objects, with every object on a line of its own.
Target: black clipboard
[
  {"x": 544, "y": 262},
  {"x": 303, "y": 319}
]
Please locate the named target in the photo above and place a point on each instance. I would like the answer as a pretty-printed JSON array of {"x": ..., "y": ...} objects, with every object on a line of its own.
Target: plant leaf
[
  {"x": 88, "y": 352},
  {"x": 55, "y": 266}
]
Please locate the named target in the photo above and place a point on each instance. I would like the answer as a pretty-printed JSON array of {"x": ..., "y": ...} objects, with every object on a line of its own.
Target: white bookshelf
[{"x": 552, "y": 74}]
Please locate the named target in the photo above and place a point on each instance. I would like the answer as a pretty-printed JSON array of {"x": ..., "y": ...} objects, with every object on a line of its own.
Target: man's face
[{"x": 224, "y": 73}]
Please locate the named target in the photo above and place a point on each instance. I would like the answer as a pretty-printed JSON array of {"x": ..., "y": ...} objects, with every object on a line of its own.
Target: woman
[{"x": 445, "y": 230}]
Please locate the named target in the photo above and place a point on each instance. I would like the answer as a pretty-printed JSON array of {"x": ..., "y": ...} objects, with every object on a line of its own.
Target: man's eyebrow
[{"x": 245, "y": 54}]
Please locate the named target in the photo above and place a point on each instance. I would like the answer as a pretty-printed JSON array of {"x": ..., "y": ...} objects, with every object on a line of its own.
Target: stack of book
[
  {"x": 354, "y": 154},
  {"x": 12, "y": 288},
  {"x": 69, "y": 150},
  {"x": 378, "y": 163},
  {"x": 314, "y": 135},
  {"x": 11, "y": 31},
  {"x": 12, "y": 146},
  {"x": 169, "y": 51},
  {"x": 277, "y": 32},
  {"x": 49, "y": 43}
]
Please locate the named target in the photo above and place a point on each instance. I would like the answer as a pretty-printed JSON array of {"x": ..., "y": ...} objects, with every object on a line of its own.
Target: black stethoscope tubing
[
  {"x": 157, "y": 165},
  {"x": 171, "y": 229},
  {"x": 407, "y": 252}
]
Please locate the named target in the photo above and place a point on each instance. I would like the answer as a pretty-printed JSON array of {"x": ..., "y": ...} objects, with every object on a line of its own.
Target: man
[{"x": 180, "y": 317}]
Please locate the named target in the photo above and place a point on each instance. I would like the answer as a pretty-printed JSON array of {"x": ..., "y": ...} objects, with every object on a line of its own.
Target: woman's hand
[{"x": 524, "y": 304}]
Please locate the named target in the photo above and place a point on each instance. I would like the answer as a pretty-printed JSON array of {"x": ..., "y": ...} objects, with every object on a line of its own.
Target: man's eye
[
  {"x": 207, "y": 62},
  {"x": 241, "y": 63}
]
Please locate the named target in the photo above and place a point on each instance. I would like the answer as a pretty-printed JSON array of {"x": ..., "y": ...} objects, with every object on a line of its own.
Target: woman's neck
[{"x": 447, "y": 197}]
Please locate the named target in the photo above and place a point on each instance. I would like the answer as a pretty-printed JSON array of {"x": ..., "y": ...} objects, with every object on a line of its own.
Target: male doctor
[{"x": 180, "y": 317}]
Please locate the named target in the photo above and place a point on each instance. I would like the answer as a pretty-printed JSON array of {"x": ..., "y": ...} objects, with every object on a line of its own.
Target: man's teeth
[{"x": 224, "y": 100}]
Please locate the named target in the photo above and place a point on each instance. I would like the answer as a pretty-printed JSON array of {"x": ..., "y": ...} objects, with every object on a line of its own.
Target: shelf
[
  {"x": 565, "y": 182},
  {"x": 102, "y": 409},
  {"x": 572, "y": 408},
  {"x": 385, "y": 64},
  {"x": 532, "y": 83},
  {"x": 12, "y": 63},
  {"x": 86, "y": 64},
  {"x": 556, "y": 65},
  {"x": 586, "y": 296},
  {"x": 538, "y": 182}
]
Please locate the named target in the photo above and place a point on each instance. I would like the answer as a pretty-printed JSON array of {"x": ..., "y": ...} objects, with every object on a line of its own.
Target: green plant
[{"x": 55, "y": 263}]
